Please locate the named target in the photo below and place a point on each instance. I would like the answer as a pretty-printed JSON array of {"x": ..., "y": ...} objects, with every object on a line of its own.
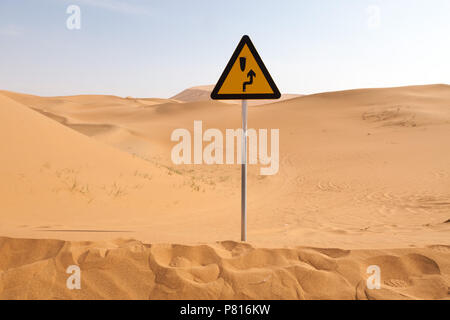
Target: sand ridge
[{"x": 129, "y": 269}]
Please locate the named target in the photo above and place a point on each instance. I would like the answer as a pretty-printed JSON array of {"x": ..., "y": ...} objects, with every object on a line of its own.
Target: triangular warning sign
[{"x": 245, "y": 76}]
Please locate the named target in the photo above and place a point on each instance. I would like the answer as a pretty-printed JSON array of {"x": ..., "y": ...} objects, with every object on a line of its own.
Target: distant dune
[
  {"x": 366, "y": 171},
  {"x": 202, "y": 93},
  {"x": 199, "y": 93}
]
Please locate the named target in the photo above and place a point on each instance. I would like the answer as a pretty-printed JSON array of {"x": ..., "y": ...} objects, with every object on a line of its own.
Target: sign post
[
  {"x": 244, "y": 173},
  {"x": 245, "y": 77}
]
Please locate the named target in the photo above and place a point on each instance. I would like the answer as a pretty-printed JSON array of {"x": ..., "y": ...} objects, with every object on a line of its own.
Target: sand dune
[
  {"x": 366, "y": 171},
  {"x": 54, "y": 178},
  {"x": 361, "y": 168},
  {"x": 129, "y": 269},
  {"x": 202, "y": 93}
]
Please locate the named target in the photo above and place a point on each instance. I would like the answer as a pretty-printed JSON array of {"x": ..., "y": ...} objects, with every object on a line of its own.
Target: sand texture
[{"x": 366, "y": 171}]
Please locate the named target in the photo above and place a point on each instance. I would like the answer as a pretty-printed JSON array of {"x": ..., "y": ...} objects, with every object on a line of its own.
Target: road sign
[{"x": 245, "y": 76}]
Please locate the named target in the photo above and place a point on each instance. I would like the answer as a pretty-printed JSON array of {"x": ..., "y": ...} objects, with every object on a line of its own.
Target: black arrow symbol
[{"x": 250, "y": 75}]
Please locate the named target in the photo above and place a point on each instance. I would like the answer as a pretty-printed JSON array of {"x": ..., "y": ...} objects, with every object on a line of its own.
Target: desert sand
[
  {"x": 202, "y": 93},
  {"x": 364, "y": 179}
]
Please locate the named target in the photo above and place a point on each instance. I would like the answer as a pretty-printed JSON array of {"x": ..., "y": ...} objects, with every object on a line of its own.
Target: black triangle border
[{"x": 245, "y": 96}]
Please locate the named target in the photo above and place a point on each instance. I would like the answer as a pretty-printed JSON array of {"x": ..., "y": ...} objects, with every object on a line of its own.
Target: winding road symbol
[{"x": 250, "y": 75}]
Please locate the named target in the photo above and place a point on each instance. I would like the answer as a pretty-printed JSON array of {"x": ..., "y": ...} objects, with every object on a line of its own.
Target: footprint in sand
[
  {"x": 397, "y": 283},
  {"x": 329, "y": 186}
]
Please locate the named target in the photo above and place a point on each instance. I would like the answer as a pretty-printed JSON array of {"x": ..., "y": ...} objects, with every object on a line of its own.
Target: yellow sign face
[{"x": 245, "y": 76}]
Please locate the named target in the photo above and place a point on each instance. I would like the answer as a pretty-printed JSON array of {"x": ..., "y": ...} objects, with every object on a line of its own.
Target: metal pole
[{"x": 244, "y": 173}]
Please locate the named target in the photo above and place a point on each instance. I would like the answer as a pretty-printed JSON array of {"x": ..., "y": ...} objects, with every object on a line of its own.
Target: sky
[{"x": 157, "y": 48}]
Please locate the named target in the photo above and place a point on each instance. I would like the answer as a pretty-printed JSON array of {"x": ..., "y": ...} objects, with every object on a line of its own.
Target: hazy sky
[{"x": 156, "y": 48}]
